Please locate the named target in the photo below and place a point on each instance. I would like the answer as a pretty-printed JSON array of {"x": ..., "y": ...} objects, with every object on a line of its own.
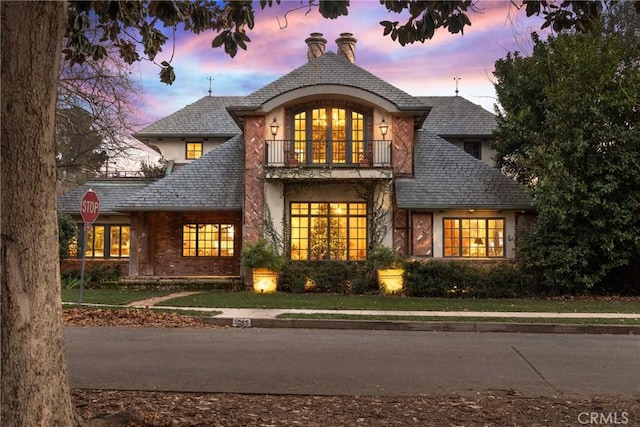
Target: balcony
[
  {"x": 349, "y": 154},
  {"x": 289, "y": 159}
]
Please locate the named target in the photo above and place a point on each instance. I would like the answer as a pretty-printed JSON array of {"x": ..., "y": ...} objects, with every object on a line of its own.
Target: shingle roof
[
  {"x": 110, "y": 193},
  {"x": 207, "y": 116},
  {"x": 213, "y": 182},
  {"x": 331, "y": 69},
  {"x": 455, "y": 115},
  {"x": 448, "y": 178}
]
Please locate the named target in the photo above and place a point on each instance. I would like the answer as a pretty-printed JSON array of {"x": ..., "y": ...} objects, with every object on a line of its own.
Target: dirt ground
[{"x": 499, "y": 408}]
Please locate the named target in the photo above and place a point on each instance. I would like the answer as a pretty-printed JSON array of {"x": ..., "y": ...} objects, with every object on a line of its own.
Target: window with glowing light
[
  {"x": 207, "y": 240},
  {"x": 103, "y": 241},
  {"x": 328, "y": 136},
  {"x": 323, "y": 231},
  {"x": 194, "y": 150},
  {"x": 474, "y": 237}
]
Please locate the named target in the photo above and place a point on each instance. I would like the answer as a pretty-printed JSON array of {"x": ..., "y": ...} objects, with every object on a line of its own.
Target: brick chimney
[
  {"x": 316, "y": 44},
  {"x": 347, "y": 46}
]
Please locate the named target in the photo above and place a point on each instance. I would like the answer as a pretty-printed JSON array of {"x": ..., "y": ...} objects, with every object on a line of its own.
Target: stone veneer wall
[
  {"x": 254, "y": 158},
  {"x": 165, "y": 250}
]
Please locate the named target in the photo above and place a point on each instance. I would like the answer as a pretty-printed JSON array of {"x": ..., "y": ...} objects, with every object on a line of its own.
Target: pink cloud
[{"x": 277, "y": 47}]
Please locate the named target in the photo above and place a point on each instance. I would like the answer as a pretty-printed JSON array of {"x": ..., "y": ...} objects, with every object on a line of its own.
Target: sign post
[{"x": 89, "y": 210}]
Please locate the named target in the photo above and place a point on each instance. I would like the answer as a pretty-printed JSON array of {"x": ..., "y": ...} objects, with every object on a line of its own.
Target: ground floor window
[
  {"x": 336, "y": 231},
  {"x": 210, "y": 240},
  {"x": 103, "y": 241},
  {"x": 473, "y": 237}
]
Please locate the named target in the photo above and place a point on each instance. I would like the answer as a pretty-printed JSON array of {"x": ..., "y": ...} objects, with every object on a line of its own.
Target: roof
[
  {"x": 213, "y": 182},
  {"x": 449, "y": 178},
  {"x": 206, "y": 117},
  {"x": 111, "y": 194},
  {"x": 457, "y": 116},
  {"x": 331, "y": 69}
]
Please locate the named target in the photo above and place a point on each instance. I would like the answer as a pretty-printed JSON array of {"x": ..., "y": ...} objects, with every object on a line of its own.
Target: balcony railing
[{"x": 349, "y": 154}]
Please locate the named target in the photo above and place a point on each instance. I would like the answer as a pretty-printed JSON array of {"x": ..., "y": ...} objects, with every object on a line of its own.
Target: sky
[{"x": 277, "y": 47}]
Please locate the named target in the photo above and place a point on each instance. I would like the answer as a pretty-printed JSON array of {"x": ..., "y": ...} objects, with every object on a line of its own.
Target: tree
[
  {"x": 569, "y": 129},
  {"x": 79, "y": 152},
  {"x": 35, "y": 390},
  {"x": 94, "y": 115}
]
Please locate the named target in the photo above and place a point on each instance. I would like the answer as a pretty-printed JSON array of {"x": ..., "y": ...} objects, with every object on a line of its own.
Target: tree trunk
[{"x": 35, "y": 391}]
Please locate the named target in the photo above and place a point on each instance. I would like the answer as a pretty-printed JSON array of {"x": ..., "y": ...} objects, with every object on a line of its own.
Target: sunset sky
[{"x": 277, "y": 48}]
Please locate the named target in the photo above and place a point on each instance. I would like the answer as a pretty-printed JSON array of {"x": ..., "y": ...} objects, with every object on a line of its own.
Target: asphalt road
[{"x": 351, "y": 362}]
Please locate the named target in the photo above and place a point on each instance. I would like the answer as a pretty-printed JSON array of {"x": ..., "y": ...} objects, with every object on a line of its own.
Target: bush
[
  {"x": 382, "y": 258},
  {"x": 348, "y": 277},
  {"x": 93, "y": 277},
  {"x": 455, "y": 279},
  {"x": 262, "y": 255},
  {"x": 67, "y": 232}
]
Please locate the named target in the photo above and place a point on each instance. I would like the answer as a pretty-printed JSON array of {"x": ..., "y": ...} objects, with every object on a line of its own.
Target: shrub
[
  {"x": 262, "y": 255},
  {"x": 327, "y": 277},
  {"x": 67, "y": 232},
  {"x": 93, "y": 277},
  {"x": 455, "y": 279},
  {"x": 382, "y": 258}
]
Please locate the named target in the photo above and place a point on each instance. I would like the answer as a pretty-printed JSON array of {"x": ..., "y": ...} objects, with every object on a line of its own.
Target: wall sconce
[
  {"x": 274, "y": 127},
  {"x": 384, "y": 127}
]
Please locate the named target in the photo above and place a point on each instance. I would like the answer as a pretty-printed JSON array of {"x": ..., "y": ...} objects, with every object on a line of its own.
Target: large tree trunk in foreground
[{"x": 35, "y": 390}]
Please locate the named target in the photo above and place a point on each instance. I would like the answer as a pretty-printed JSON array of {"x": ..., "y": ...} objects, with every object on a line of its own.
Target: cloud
[{"x": 277, "y": 47}]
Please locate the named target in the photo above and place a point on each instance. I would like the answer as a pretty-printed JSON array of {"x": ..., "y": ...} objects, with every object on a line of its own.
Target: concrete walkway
[{"x": 463, "y": 321}]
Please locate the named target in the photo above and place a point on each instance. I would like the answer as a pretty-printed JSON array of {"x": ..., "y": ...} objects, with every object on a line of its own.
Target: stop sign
[{"x": 90, "y": 207}]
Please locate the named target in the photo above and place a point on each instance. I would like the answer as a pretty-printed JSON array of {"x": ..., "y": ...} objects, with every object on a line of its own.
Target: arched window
[{"x": 328, "y": 135}]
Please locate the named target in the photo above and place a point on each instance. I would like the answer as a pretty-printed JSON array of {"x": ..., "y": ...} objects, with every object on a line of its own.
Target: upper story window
[
  {"x": 329, "y": 135},
  {"x": 474, "y": 148},
  {"x": 193, "y": 150}
]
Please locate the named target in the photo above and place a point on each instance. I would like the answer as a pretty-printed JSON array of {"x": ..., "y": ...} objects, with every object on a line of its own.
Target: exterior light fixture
[
  {"x": 274, "y": 127},
  {"x": 384, "y": 127}
]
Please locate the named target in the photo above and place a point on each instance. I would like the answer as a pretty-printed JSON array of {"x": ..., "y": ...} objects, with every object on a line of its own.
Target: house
[{"x": 326, "y": 161}]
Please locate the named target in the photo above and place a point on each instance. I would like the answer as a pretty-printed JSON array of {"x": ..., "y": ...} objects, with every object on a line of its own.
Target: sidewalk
[{"x": 268, "y": 318}]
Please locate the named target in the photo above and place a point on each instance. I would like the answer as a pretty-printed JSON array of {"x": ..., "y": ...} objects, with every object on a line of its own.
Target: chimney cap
[{"x": 316, "y": 45}]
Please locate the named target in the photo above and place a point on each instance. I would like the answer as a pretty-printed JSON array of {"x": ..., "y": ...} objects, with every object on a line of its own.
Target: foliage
[
  {"x": 345, "y": 277},
  {"x": 262, "y": 254},
  {"x": 157, "y": 170},
  {"x": 97, "y": 95},
  {"x": 93, "y": 277},
  {"x": 78, "y": 145},
  {"x": 456, "y": 279},
  {"x": 132, "y": 26},
  {"x": 569, "y": 130},
  {"x": 381, "y": 258},
  {"x": 67, "y": 233}
]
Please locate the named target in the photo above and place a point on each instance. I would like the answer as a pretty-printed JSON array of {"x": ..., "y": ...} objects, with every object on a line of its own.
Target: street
[{"x": 350, "y": 362}]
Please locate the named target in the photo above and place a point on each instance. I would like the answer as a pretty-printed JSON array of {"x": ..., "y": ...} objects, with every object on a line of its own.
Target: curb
[{"x": 395, "y": 325}]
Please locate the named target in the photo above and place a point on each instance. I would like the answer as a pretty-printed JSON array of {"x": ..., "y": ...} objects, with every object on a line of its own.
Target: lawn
[
  {"x": 281, "y": 300},
  {"x": 110, "y": 296}
]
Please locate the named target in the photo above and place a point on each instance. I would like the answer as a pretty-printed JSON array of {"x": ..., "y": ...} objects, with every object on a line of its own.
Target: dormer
[{"x": 334, "y": 116}]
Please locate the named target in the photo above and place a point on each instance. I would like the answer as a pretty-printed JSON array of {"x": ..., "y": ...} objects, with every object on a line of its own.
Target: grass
[
  {"x": 561, "y": 320},
  {"x": 110, "y": 296},
  {"x": 398, "y": 303}
]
